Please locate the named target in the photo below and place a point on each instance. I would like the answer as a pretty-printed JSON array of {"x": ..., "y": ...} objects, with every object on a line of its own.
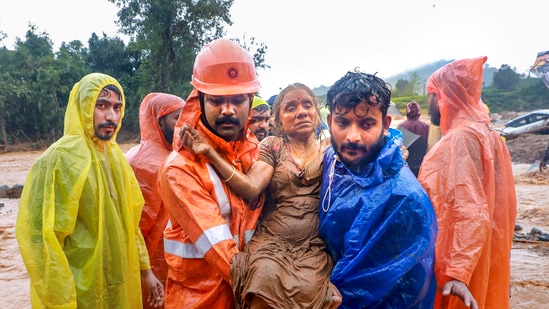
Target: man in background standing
[
  {"x": 469, "y": 178},
  {"x": 413, "y": 124},
  {"x": 158, "y": 115},
  {"x": 544, "y": 159}
]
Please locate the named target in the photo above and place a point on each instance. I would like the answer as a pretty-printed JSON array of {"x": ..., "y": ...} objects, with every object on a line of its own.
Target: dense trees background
[{"x": 165, "y": 36}]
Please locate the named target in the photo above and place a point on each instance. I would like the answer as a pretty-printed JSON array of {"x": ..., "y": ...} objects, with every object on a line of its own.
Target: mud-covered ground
[{"x": 529, "y": 256}]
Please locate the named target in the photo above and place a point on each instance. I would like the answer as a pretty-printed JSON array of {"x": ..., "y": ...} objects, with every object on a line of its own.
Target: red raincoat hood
[
  {"x": 458, "y": 86},
  {"x": 154, "y": 106}
]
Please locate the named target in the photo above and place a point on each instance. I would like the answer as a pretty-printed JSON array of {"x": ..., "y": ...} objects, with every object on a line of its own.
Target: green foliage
[
  {"x": 30, "y": 107},
  {"x": 530, "y": 94},
  {"x": 165, "y": 36},
  {"x": 169, "y": 34},
  {"x": 112, "y": 57},
  {"x": 400, "y": 87},
  {"x": 402, "y": 101},
  {"x": 506, "y": 79},
  {"x": 258, "y": 50},
  {"x": 423, "y": 72},
  {"x": 509, "y": 92}
]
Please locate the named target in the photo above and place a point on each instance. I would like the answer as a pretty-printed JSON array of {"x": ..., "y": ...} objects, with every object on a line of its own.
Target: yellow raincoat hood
[{"x": 77, "y": 225}]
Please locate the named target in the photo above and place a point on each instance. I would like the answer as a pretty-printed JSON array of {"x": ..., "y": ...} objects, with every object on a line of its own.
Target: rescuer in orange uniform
[
  {"x": 158, "y": 114},
  {"x": 469, "y": 178},
  {"x": 209, "y": 223}
]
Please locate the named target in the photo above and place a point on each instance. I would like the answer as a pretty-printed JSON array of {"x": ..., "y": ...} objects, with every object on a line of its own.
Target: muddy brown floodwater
[{"x": 529, "y": 258}]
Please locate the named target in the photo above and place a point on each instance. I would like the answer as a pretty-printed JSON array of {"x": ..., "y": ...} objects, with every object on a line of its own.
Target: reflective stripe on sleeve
[
  {"x": 248, "y": 235},
  {"x": 224, "y": 204},
  {"x": 204, "y": 243},
  {"x": 183, "y": 250},
  {"x": 222, "y": 199}
]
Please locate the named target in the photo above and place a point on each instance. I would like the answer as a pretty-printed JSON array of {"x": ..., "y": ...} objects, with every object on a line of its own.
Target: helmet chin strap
[{"x": 203, "y": 113}]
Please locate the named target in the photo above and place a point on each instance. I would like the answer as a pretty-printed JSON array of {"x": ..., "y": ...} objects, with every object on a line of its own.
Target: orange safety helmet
[{"x": 223, "y": 67}]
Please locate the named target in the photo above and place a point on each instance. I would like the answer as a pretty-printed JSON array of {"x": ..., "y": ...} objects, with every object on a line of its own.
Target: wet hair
[
  {"x": 412, "y": 110},
  {"x": 355, "y": 88},
  {"x": 114, "y": 89},
  {"x": 278, "y": 102}
]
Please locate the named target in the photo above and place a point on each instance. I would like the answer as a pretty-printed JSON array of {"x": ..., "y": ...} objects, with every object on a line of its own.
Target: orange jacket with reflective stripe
[{"x": 208, "y": 222}]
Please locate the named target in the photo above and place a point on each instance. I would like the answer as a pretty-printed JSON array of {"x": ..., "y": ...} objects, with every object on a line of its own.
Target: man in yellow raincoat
[
  {"x": 261, "y": 115},
  {"x": 77, "y": 225},
  {"x": 468, "y": 176},
  {"x": 158, "y": 115},
  {"x": 209, "y": 222}
]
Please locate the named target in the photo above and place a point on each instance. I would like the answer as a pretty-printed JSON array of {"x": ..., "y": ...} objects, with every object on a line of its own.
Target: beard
[
  {"x": 168, "y": 131},
  {"x": 371, "y": 152},
  {"x": 105, "y": 136},
  {"x": 434, "y": 111},
  {"x": 261, "y": 131}
]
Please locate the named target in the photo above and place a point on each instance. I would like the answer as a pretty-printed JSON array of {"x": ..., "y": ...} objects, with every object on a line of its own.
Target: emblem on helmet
[{"x": 233, "y": 73}]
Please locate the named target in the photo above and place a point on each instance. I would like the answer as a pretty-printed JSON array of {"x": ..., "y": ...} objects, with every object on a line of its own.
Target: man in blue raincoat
[
  {"x": 377, "y": 220},
  {"x": 78, "y": 220}
]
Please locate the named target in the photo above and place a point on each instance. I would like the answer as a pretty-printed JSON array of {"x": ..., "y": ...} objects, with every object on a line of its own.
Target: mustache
[
  {"x": 107, "y": 124},
  {"x": 227, "y": 120},
  {"x": 353, "y": 146},
  {"x": 261, "y": 130}
]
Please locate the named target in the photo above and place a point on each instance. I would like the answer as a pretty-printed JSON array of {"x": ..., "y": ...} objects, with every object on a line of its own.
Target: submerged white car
[{"x": 536, "y": 122}]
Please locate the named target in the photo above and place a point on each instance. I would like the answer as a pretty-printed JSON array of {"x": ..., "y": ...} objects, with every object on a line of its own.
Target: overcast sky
[{"x": 317, "y": 41}]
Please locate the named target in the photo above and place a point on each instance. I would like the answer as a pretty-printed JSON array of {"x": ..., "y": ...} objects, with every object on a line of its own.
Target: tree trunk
[{"x": 4, "y": 135}]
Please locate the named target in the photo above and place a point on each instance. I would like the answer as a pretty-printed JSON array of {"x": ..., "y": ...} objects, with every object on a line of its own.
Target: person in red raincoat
[
  {"x": 158, "y": 115},
  {"x": 469, "y": 178}
]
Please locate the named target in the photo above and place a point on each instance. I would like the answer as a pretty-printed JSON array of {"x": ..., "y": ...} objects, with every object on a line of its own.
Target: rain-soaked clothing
[
  {"x": 146, "y": 160},
  {"x": 209, "y": 223},
  {"x": 469, "y": 178},
  {"x": 286, "y": 263},
  {"x": 380, "y": 228},
  {"x": 78, "y": 221}
]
